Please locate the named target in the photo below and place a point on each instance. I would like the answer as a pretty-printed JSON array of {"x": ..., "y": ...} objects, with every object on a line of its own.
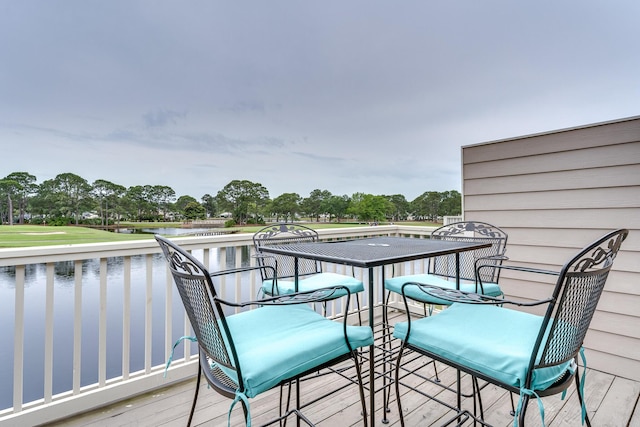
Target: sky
[{"x": 347, "y": 96}]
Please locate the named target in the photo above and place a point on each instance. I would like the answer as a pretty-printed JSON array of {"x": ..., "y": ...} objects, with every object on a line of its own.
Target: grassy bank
[{"x": 22, "y": 236}]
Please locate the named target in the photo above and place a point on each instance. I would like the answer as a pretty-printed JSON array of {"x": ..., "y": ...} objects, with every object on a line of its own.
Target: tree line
[{"x": 71, "y": 199}]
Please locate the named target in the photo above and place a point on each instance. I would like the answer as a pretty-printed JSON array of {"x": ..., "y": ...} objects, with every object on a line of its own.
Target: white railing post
[
  {"x": 126, "y": 319},
  {"x": 148, "y": 315},
  {"x": 18, "y": 340},
  {"x": 102, "y": 325},
  {"x": 48, "y": 334},
  {"x": 77, "y": 326}
]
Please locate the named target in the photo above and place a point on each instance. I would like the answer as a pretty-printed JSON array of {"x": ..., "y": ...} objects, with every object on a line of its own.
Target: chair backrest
[
  {"x": 471, "y": 231},
  {"x": 575, "y": 297},
  {"x": 205, "y": 314},
  {"x": 284, "y": 234}
]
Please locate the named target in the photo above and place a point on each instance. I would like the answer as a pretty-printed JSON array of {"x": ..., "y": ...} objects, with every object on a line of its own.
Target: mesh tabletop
[{"x": 375, "y": 251}]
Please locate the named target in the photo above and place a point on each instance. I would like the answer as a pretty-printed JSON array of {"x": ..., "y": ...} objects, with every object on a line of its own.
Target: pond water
[
  {"x": 171, "y": 231},
  {"x": 64, "y": 293}
]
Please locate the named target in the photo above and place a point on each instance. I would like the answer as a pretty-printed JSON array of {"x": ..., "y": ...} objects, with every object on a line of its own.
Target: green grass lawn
[{"x": 22, "y": 236}]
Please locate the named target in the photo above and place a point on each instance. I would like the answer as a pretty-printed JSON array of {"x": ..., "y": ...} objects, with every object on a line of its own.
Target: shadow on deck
[{"x": 611, "y": 401}]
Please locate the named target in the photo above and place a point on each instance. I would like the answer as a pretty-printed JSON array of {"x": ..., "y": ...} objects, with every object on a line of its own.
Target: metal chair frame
[
  {"x": 472, "y": 231},
  {"x": 573, "y": 302},
  {"x": 445, "y": 266},
  {"x": 282, "y": 266},
  {"x": 208, "y": 318}
]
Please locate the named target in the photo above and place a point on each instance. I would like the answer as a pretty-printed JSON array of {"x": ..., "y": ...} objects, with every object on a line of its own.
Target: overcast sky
[{"x": 347, "y": 96}]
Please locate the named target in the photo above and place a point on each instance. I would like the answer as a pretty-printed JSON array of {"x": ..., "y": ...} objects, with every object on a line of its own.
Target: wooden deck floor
[{"x": 611, "y": 401}]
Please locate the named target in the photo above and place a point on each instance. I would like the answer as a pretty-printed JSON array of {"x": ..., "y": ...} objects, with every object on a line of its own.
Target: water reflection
[
  {"x": 168, "y": 231},
  {"x": 64, "y": 297}
]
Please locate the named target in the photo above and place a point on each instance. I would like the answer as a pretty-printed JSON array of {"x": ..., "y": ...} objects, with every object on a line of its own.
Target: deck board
[
  {"x": 611, "y": 401},
  {"x": 614, "y": 405}
]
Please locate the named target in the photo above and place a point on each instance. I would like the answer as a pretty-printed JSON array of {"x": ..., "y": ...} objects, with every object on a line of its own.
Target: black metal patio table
[{"x": 375, "y": 252}]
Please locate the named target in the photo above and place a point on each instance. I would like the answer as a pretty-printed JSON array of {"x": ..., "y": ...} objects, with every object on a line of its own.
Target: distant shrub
[
  {"x": 230, "y": 223},
  {"x": 59, "y": 221},
  {"x": 91, "y": 221}
]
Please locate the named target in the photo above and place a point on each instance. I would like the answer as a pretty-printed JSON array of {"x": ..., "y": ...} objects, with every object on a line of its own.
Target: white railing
[
  {"x": 151, "y": 282},
  {"x": 451, "y": 219}
]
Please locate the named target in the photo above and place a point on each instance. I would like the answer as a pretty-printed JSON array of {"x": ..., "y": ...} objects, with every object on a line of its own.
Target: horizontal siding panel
[
  {"x": 625, "y": 347},
  {"x": 610, "y": 218},
  {"x": 618, "y": 324},
  {"x": 552, "y": 257},
  {"x": 612, "y": 364},
  {"x": 622, "y": 279},
  {"x": 614, "y": 323},
  {"x": 623, "y": 282},
  {"x": 597, "y": 198},
  {"x": 615, "y": 176},
  {"x": 555, "y": 257},
  {"x": 519, "y": 290},
  {"x": 569, "y": 238},
  {"x": 591, "y": 158},
  {"x": 621, "y": 132},
  {"x": 626, "y": 261},
  {"x": 615, "y": 302},
  {"x": 522, "y": 279},
  {"x": 610, "y": 302},
  {"x": 624, "y": 272},
  {"x": 529, "y": 255}
]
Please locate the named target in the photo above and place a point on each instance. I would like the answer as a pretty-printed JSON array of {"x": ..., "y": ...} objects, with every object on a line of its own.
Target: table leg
[
  {"x": 372, "y": 390},
  {"x": 458, "y": 391},
  {"x": 295, "y": 274},
  {"x": 386, "y": 387}
]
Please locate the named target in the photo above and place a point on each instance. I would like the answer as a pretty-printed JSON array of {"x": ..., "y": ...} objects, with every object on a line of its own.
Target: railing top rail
[{"x": 43, "y": 254}]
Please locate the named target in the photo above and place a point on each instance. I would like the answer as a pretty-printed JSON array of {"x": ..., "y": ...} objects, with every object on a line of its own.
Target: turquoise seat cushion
[
  {"x": 495, "y": 341},
  {"x": 275, "y": 343},
  {"x": 394, "y": 284},
  {"x": 310, "y": 283}
]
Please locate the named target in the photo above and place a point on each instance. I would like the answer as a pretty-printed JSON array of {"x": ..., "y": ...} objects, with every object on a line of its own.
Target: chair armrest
[
  {"x": 261, "y": 256},
  {"x": 511, "y": 267},
  {"x": 478, "y": 267},
  {"x": 519, "y": 268},
  {"x": 242, "y": 269},
  {"x": 317, "y": 295},
  {"x": 262, "y": 268},
  {"x": 455, "y": 295},
  {"x": 496, "y": 257}
]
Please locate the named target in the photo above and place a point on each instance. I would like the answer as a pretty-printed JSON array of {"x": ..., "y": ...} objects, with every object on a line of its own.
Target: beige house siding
[{"x": 553, "y": 193}]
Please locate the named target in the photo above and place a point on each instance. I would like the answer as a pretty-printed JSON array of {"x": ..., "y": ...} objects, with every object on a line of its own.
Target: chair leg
[
  {"x": 513, "y": 406},
  {"x": 385, "y": 308},
  {"x": 360, "y": 387},
  {"x": 282, "y": 421},
  {"x": 298, "y": 414},
  {"x": 581, "y": 397},
  {"x": 476, "y": 391},
  {"x": 523, "y": 410},
  {"x": 397, "y": 381},
  {"x": 195, "y": 396}
]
